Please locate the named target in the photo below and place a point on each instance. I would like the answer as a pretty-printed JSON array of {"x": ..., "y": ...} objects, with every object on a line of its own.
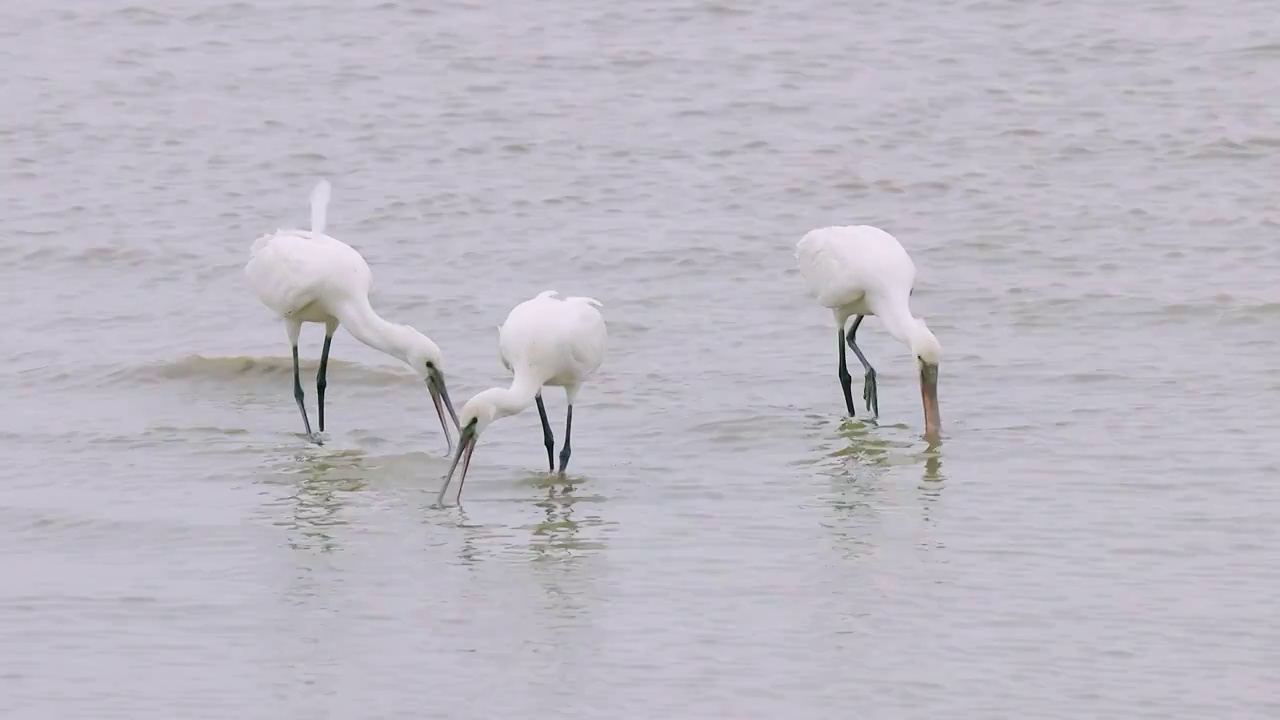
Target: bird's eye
[{"x": 431, "y": 365}]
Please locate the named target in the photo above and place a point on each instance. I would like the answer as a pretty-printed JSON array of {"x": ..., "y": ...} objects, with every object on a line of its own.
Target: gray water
[{"x": 1087, "y": 188}]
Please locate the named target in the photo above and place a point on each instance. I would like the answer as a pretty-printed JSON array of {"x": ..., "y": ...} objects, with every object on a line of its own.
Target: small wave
[
  {"x": 1249, "y": 148},
  {"x": 228, "y": 11},
  {"x": 720, "y": 8},
  {"x": 1265, "y": 50},
  {"x": 1265, "y": 309},
  {"x": 1096, "y": 376},
  {"x": 140, "y": 15},
  {"x": 1254, "y": 314},
  {"x": 1214, "y": 307},
  {"x": 232, "y": 369}
]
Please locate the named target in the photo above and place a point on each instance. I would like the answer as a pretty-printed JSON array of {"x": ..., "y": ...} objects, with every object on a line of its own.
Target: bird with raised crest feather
[{"x": 307, "y": 276}]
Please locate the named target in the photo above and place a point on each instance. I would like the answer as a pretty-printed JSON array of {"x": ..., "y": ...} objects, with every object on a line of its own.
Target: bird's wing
[
  {"x": 586, "y": 333},
  {"x": 274, "y": 275},
  {"x": 261, "y": 242},
  {"x": 842, "y": 264},
  {"x": 554, "y": 338},
  {"x": 587, "y": 300},
  {"x": 824, "y": 270},
  {"x": 292, "y": 269}
]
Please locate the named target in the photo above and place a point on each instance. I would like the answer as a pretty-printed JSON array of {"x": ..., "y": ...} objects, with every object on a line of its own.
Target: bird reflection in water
[
  {"x": 932, "y": 483},
  {"x": 870, "y": 445},
  {"x": 558, "y": 536},
  {"x": 864, "y": 445},
  {"x": 864, "y": 493},
  {"x": 470, "y": 551},
  {"x": 321, "y": 487}
]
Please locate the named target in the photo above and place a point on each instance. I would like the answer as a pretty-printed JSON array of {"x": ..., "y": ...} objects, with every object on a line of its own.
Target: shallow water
[{"x": 1087, "y": 189}]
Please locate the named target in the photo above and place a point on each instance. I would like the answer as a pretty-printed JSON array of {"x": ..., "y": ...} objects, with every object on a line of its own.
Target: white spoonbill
[
  {"x": 307, "y": 276},
  {"x": 544, "y": 341},
  {"x": 862, "y": 270}
]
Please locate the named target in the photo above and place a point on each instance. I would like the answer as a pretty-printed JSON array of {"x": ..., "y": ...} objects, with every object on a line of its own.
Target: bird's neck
[
  {"x": 515, "y": 399},
  {"x": 897, "y": 320},
  {"x": 359, "y": 318}
]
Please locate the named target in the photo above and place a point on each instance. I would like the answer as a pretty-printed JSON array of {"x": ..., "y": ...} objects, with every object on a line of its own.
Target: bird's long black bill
[
  {"x": 440, "y": 398},
  {"x": 929, "y": 397},
  {"x": 444, "y": 392},
  {"x": 466, "y": 445}
]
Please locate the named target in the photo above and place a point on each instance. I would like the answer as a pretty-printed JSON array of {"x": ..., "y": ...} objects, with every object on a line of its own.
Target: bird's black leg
[
  {"x": 547, "y": 438},
  {"x": 869, "y": 384},
  {"x": 568, "y": 428},
  {"x": 845, "y": 380},
  {"x": 297, "y": 395},
  {"x": 321, "y": 380}
]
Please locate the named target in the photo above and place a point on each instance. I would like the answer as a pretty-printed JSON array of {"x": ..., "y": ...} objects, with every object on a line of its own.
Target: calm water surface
[{"x": 1088, "y": 189}]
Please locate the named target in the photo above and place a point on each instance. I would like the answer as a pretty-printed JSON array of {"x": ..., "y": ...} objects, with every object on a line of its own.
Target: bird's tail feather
[
  {"x": 319, "y": 206},
  {"x": 587, "y": 300}
]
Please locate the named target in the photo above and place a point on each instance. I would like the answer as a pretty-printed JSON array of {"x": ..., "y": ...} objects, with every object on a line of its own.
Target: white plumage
[
  {"x": 862, "y": 270},
  {"x": 545, "y": 341},
  {"x": 309, "y": 277}
]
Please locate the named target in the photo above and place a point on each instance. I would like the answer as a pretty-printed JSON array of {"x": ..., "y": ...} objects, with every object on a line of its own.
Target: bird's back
[
  {"x": 290, "y": 270},
  {"x": 561, "y": 340},
  {"x": 842, "y": 264}
]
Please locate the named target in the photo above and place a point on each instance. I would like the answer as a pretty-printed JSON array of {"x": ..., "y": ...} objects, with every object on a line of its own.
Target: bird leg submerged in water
[
  {"x": 548, "y": 438},
  {"x": 869, "y": 395},
  {"x": 297, "y": 395},
  {"x": 845, "y": 379},
  {"x": 568, "y": 429},
  {"x": 322, "y": 381}
]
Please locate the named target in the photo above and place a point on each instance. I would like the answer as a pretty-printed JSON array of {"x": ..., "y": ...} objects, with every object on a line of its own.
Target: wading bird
[
  {"x": 307, "y": 276},
  {"x": 862, "y": 270},
  {"x": 544, "y": 341}
]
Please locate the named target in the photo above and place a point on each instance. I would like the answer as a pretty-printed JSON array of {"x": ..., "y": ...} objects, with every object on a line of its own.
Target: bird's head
[
  {"x": 479, "y": 412},
  {"x": 928, "y": 353},
  {"x": 425, "y": 358},
  {"x": 924, "y": 345},
  {"x": 421, "y": 353}
]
